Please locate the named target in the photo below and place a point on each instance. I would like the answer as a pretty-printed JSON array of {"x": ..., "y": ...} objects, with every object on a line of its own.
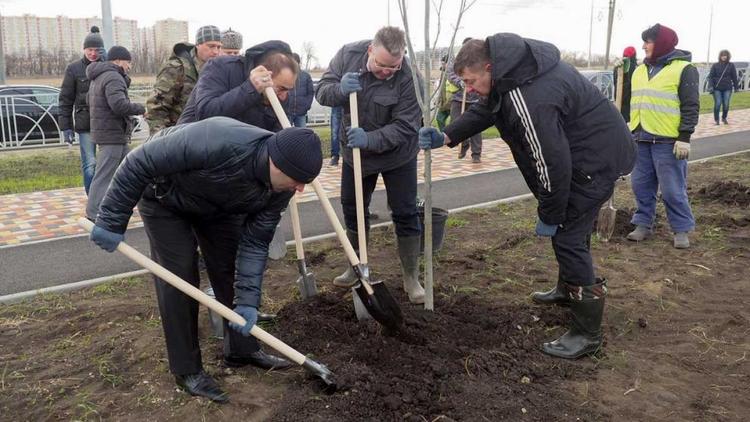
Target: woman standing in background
[{"x": 721, "y": 79}]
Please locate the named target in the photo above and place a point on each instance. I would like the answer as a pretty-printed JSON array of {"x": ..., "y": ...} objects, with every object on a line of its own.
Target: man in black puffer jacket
[
  {"x": 111, "y": 119},
  {"x": 570, "y": 144},
  {"x": 74, "y": 110},
  {"x": 222, "y": 185}
]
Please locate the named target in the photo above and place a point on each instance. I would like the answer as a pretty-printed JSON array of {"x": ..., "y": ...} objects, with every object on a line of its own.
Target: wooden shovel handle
[
  {"x": 358, "y": 190},
  {"x": 324, "y": 201},
  {"x": 619, "y": 87},
  {"x": 201, "y": 297}
]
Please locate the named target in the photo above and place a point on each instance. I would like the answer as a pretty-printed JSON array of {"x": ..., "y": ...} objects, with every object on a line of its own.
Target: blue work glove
[
  {"x": 68, "y": 136},
  {"x": 350, "y": 83},
  {"x": 430, "y": 138},
  {"x": 250, "y": 313},
  {"x": 544, "y": 229},
  {"x": 106, "y": 239},
  {"x": 357, "y": 138}
]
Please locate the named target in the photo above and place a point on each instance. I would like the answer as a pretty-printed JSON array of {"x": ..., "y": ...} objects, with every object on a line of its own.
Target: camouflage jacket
[{"x": 174, "y": 83}]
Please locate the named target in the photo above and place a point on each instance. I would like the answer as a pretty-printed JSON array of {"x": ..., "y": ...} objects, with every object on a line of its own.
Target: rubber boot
[
  {"x": 557, "y": 296},
  {"x": 349, "y": 278},
  {"x": 584, "y": 336},
  {"x": 408, "y": 253}
]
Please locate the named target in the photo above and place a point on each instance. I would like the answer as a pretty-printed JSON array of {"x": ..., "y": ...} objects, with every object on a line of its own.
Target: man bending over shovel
[
  {"x": 222, "y": 185},
  {"x": 570, "y": 144}
]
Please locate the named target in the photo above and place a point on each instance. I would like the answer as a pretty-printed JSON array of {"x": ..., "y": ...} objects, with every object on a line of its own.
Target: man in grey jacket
[
  {"x": 389, "y": 118},
  {"x": 111, "y": 119}
]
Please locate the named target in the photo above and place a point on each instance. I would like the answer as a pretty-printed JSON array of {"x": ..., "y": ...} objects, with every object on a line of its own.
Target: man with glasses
[{"x": 389, "y": 117}]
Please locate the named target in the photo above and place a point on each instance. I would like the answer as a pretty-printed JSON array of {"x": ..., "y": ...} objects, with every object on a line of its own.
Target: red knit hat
[
  {"x": 629, "y": 51},
  {"x": 664, "y": 39}
]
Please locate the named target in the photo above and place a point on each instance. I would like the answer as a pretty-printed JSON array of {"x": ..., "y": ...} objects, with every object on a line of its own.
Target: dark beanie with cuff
[
  {"x": 118, "y": 52},
  {"x": 93, "y": 39},
  {"x": 297, "y": 153}
]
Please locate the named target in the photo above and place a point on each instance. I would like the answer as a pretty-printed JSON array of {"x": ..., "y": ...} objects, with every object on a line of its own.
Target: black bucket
[{"x": 439, "y": 217}]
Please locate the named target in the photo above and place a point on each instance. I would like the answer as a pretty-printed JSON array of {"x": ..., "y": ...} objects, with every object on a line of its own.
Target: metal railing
[{"x": 28, "y": 120}]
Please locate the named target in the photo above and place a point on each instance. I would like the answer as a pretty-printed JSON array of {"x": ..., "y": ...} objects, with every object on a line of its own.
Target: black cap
[
  {"x": 93, "y": 39},
  {"x": 296, "y": 152},
  {"x": 118, "y": 52}
]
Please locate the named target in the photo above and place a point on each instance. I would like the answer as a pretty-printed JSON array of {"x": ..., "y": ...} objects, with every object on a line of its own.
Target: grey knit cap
[
  {"x": 231, "y": 40},
  {"x": 93, "y": 39},
  {"x": 207, "y": 33}
]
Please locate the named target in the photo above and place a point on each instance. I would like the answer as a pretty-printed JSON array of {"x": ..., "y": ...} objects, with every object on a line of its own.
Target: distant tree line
[{"x": 45, "y": 63}]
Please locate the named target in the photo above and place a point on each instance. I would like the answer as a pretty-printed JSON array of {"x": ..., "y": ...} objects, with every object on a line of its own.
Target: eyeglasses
[{"x": 384, "y": 67}]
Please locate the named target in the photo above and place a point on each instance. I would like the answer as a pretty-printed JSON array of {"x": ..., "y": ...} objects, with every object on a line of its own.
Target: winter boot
[
  {"x": 349, "y": 278},
  {"x": 408, "y": 253},
  {"x": 584, "y": 336},
  {"x": 640, "y": 233},
  {"x": 557, "y": 296}
]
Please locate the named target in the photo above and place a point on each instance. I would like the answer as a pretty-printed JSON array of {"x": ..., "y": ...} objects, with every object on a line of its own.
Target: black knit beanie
[
  {"x": 93, "y": 39},
  {"x": 296, "y": 152},
  {"x": 118, "y": 52}
]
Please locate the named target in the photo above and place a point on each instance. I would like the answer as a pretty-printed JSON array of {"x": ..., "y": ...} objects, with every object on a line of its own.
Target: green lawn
[{"x": 57, "y": 168}]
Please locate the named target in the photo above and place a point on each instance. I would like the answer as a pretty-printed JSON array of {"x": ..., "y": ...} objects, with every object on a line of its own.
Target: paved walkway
[{"x": 49, "y": 214}]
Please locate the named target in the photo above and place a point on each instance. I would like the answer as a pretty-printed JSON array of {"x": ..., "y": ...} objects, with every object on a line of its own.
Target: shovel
[
  {"x": 380, "y": 305},
  {"x": 605, "y": 225},
  {"x": 317, "y": 369}
]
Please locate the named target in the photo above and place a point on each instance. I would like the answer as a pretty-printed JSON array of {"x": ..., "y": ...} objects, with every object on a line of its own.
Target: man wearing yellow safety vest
[{"x": 663, "y": 113}]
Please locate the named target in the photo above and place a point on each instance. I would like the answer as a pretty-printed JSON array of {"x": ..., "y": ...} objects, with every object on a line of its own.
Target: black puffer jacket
[
  {"x": 110, "y": 106},
  {"x": 72, "y": 98},
  {"x": 388, "y": 109},
  {"x": 208, "y": 168},
  {"x": 569, "y": 141},
  {"x": 224, "y": 89}
]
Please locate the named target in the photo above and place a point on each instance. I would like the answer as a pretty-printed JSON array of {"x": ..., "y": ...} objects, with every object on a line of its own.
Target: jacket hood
[
  {"x": 253, "y": 53},
  {"x": 182, "y": 47},
  {"x": 96, "y": 69},
  {"x": 675, "y": 54},
  {"x": 517, "y": 60}
]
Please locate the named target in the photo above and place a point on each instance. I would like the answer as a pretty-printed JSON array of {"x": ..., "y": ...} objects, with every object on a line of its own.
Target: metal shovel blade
[
  {"x": 380, "y": 305},
  {"x": 605, "y": 225},
  {"x": 321, "y": 372},
  {"x": 306, "y": 281}
]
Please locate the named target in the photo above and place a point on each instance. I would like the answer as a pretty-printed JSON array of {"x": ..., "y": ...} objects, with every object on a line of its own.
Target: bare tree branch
[
  {"x": 410, "y": 48},
  {"x": 439, "y": 9}
]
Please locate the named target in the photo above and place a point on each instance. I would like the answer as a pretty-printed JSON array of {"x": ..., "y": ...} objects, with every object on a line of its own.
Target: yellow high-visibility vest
[{"x": 655, "y": 103}]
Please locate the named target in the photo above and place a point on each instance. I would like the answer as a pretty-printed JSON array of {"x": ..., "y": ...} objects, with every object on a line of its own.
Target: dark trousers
[
  {"x": 174, "y": 241},
  {"x": 474, "y": 142},
  {"x": 572, "y": 242},
  {"x": 400, "y": 188}
]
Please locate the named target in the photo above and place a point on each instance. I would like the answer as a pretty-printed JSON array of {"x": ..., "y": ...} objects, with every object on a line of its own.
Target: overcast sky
[{"x": 330, "y": 24}]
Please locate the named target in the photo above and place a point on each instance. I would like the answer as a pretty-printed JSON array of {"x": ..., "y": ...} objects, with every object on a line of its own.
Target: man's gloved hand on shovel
[
  {"x": 350, "y": 83},
  {"x": 106, "y": 239},
  {"x": 250, "y": 313}
]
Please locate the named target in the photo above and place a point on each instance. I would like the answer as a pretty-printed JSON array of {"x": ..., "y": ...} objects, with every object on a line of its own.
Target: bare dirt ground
[{"x": 676, "y": 333}]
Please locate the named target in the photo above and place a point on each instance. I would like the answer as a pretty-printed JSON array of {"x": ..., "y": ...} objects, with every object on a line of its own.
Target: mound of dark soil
[
  {"x": 729, "y": 192},
  {"x": 469, "y": 361}
]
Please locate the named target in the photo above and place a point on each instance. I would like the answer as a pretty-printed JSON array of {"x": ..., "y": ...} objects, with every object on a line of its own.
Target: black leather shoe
[
  {"x": 259, "y": 359},
  {"x": 203, "y": 385},
  {"x": 557, "y": 296}
]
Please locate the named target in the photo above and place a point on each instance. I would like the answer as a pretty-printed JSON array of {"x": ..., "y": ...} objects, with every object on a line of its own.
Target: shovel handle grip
[
  {"x": 358, "y": 190},
  {"x": 201, "y": 297}
]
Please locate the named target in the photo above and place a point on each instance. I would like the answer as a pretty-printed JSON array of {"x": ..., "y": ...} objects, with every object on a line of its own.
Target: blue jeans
[
  {"x": 298, "y": 121},
  {"x": 656, "y": 166},
  {"x": 336, "y": 115},
  {"x": 721, "y": 99},
  {"x": 88, "y": 158}
]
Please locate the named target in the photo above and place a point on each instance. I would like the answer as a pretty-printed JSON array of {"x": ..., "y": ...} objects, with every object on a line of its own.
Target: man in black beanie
[
  {"x": 222, "y": 185},
  {"x": 74, "y": 110}
]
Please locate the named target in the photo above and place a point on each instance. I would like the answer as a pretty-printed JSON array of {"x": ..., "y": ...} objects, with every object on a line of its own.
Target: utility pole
[
  {"x": 2, "y": 53},
  {"x": 591, "y": 31},
  {"x": 710, "y": 29},
  {"x": 389, "y": 12},
  {"x": 107, "y": 24},
  {"x": 609, "y": 31}
]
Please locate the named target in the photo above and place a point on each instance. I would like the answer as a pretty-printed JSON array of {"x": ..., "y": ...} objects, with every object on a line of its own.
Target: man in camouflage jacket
[{"x": 178, "y": 76}]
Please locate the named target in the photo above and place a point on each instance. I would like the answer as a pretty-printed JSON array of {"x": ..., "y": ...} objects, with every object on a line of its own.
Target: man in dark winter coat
[
  {"x": 300, "y": 98},
  {"x": 220, "y": 184},
  {"x": 570, "y": 144},
  {"x": 389, "y": 118},
  {"x": 74, "y": 110},
  {"x": 178, "y": 76},
  {"x": 111, "y": 119},
  {"x": 232, "y": 86}
]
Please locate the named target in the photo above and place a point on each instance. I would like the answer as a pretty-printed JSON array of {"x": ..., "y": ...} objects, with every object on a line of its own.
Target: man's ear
[{"x": 488, "y": 67}]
